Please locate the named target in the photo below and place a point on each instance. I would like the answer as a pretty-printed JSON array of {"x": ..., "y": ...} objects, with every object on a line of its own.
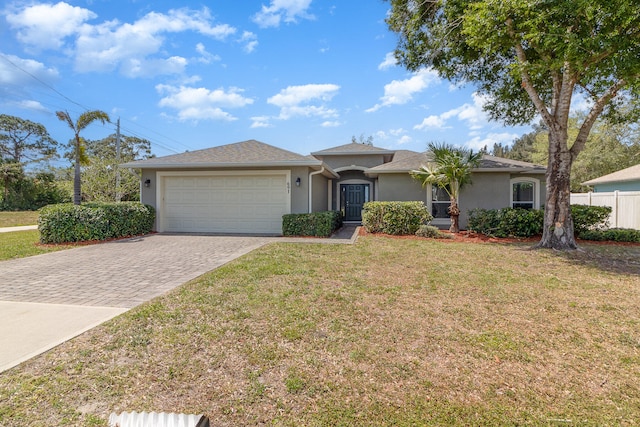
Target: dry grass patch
[{"x": 385, "y": 332}]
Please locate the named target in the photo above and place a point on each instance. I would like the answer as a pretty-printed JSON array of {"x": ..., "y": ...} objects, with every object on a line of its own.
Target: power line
[
  {"x": 85, "y": 108},
  {"x": 42, "y": 82}
]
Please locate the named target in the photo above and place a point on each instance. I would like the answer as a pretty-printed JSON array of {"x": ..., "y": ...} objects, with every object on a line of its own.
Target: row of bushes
[
  {"x": 67, "y": 222},
  {"x": 317, "y": 224},
  {"x": 589, "y": 223}
]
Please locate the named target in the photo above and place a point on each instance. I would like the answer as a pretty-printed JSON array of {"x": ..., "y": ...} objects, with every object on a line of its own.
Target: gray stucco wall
[
  {"x": 319, "y": 194},
  {"x": 487, "y": 191},
  {"x": 400, "y": 187}
]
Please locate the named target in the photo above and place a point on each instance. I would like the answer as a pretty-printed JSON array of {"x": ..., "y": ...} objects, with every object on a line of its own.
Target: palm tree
[
  {"x": 451, "y": 170},
  {"x": 80, "y": 157}
]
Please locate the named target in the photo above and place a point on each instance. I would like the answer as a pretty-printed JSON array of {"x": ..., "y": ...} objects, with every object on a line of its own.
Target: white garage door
[{"x": 225, "y": 203}]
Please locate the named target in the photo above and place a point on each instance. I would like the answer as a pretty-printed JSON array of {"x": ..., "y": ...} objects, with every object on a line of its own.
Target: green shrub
[
  {"x": 94, "y": 221},
  {"x": 516, "y": 222},
  {"x": 317, "y": 224},
  {"x": 506, "y": 222},
  {"x": 589, "y": 218},
  {"x": 612, "y": 235},
  {"x": 397, "y": 218},
  {"x": 432, "y": 232}
]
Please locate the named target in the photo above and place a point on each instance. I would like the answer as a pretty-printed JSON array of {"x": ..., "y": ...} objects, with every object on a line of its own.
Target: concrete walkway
[
  {"x": 50, "y": 298},
  {"x": 18, "y": 228}
]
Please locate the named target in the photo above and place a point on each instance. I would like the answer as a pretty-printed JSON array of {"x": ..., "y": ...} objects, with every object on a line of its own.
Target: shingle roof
[
  {"x": 352, "y": 148},
  {"x": 246, "y": 153},
  {"x": 489, "y": 163},
  {"x": 405, "y": 161},
  {"x": 629, "y": 174}
]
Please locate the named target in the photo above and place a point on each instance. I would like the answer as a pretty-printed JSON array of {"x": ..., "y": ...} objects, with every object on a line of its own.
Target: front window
[
  {"x": 440, "y": 202},
  {"x": 523, "y": 194}
]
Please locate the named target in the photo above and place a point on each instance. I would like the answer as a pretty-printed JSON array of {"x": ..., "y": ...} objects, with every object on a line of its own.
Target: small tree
[
  {"x": 78, "y": 146},
  {"x": 451, "y": 170}
]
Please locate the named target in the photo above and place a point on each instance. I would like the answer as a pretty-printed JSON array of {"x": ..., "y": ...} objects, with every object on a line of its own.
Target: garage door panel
[{"x": 219, "y": 203}]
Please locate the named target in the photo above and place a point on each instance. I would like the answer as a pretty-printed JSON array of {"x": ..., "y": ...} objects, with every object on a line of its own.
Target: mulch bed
[{"x": 471, "y": 237}]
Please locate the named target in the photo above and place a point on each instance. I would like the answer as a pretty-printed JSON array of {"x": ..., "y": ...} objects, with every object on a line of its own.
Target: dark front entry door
[{"x": 353, "y": 197}]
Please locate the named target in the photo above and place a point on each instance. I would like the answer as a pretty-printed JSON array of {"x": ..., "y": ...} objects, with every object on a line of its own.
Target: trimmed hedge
[
  {"x": 612, "y": 235},
  {"x": 517, "y": 222},
  {"x": 586, "y": 218},
  {"x": 317, "y": 224},
  {"x": 506, "y": 222},
  {"x": 397, "y": 218},
  {"x": 67, "y": 222}
]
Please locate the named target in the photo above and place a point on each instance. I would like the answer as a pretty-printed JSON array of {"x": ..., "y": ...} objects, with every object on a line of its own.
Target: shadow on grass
[{"x": 615, "y": 258}]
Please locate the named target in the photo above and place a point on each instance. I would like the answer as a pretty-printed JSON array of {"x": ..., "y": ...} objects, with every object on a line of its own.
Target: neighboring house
[
  {"x": 246, "y": 187},
  {"x": 623, "y": 180}
]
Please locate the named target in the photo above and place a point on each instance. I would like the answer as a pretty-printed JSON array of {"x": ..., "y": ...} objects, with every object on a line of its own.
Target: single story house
[
  {"x": 247, "y": 186},
  {"x": 623, "y": 180}
]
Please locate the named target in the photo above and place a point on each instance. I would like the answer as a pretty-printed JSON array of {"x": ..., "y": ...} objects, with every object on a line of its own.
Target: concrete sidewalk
[
  {"x": 18, "y": 228},
  {"x": 28, "y": 329}
]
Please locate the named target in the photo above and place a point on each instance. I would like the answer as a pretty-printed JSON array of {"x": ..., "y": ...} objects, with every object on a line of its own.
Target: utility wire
[{"x": 85, "y": 108}]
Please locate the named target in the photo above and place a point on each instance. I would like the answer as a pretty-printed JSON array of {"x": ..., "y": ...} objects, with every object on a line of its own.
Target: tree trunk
[
  {"x": 454, "y": 213},
  {"x": 558, "y": 225},
  {"x": 77, "y": 191}
]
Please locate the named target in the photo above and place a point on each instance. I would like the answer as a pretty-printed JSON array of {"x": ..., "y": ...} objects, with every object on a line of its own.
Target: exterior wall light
[
  {"x": 147, "y": 183},
  {"x": 298, "y": 182}
]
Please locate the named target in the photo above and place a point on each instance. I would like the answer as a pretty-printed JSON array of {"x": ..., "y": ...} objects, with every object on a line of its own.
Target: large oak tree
[{"x": 532, "y": 57}]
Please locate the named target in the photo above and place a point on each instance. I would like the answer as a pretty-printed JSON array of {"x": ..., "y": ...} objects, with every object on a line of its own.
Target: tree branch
[
  {"x": 598, "y": 107},
  {"x": 526, "y": 79}
]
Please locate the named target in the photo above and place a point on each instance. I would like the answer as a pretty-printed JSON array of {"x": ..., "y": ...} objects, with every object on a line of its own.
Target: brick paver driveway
[{"x": 122, "y": 273}]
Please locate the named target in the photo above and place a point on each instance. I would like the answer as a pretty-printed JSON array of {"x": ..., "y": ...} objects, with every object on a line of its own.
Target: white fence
[{"x": 625, "y": 206}]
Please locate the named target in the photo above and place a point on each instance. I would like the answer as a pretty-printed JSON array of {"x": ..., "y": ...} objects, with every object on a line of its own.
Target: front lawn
[
  {"x": 19, "y": 244},
  {"x": 12, "y": 219},
  {"x": 386, "y": 332}
]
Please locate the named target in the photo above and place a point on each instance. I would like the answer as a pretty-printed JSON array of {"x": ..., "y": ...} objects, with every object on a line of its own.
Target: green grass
[
  {"x": 386, "y": 332},
  {"x": 13, "y": 219},
  {"x": 19, "y": 244}
]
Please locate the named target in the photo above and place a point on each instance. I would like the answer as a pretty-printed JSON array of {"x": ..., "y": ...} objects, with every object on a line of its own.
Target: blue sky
[{"x": 302, "y": 75}]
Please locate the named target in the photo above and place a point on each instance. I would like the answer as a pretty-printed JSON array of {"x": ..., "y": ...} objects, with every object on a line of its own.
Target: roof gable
[
  {"x": 629, "y": 174},
  {"x": 406, "y": 161},
  {"x": 249, "y": 152},
  {"x": 352, "y": 148}
]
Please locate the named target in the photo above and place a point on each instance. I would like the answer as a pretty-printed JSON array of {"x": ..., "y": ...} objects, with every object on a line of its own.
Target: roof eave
[{"x": 135, "y": 165}]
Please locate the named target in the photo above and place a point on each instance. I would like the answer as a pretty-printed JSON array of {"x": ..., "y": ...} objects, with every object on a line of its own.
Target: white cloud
[
  {"x": 389, "y": 61},
  {"x": 330, "y": 124},
  {"x": 400, "y": 92},
  {"x": 11, "y": 71},
  {"x": 202, "y": 103},
  {"x": 260, "y": 122},
  {"x": 205, "y": 56},
  {"x": 32, "y": 105},
  {"x": 431, "y": 122},
  {"x": 302, "y": 101},
  {"x": 478, "y": 142},
  {"x": 472, "y": 114},
  {"x": 250, "y": 41},
  {"x": 45, "y": 26},
  {"x": 111, "y": 44},
  {"x": 405, "y": 139},
  {"x": 18, "y": 75},
  {"x": 282, "y": 10},
  {"x": 135, "y": 49}
]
